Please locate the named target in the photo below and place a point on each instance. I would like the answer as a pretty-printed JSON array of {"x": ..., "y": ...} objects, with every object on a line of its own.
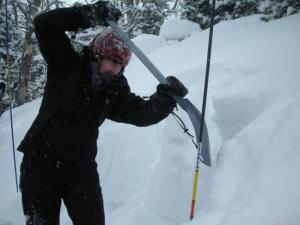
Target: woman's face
[{"x": 109, "y": 66}]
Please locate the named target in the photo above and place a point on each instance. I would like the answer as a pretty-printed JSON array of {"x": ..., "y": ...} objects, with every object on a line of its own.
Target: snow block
[{"x": 176, "y": 29}]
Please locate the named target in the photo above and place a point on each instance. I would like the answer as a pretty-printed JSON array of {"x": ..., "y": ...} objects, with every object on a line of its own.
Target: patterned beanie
[{"x": 107, "y": 45}]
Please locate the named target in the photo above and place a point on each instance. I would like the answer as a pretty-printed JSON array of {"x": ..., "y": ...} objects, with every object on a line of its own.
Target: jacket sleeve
[
  {"x": 50, "y": 28},
  {"x": 134, "y": 110}
]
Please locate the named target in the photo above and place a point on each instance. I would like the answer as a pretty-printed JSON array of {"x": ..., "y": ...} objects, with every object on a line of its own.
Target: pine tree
[
  {"x": 275, "y": 9},
  {"x": 37, "y": 80},
  {"x": 293, "y": 7},
  {"x": 245, "y": 8},
  {"x": 150, "y": 15},
  {"x": 6, "y": 30},
  {"x": 11, "y": 37},
  {"x": 233, "y": 9},
  {"x": 16, "y": 36},
  {"x": 197, "y": 11}
]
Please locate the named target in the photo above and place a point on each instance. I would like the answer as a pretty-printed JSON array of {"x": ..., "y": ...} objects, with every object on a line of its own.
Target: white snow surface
[
  {"x": 253, "y": 110},
  {"x": 178, "y": 29},
  {"x": 149, "y": 42}
]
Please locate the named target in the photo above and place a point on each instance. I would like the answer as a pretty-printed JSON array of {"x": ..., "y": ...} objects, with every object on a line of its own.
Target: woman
[{"x": 82, "y": 90}]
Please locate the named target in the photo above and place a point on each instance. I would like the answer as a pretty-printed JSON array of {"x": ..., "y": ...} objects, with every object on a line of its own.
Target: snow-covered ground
[{"x": 253, "y": 121}]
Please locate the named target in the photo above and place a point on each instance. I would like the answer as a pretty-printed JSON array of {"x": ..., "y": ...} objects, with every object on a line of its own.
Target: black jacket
[{"x": 66, "y": 127}]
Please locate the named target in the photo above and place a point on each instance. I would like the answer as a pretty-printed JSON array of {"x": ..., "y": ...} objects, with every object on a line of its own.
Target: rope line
[{"x": 184, "y": 128}]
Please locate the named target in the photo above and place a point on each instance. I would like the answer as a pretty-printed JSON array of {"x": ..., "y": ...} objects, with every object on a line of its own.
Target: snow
[
  {"x": 176, "y": 29},
  {"x": 253, "y": 110},
  {"x": 153, "y": 42}
]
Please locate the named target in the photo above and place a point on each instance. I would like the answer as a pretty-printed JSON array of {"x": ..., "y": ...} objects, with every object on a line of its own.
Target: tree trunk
[
  {"x": 15, "y": 12},
  {"x": 130, "y": 4},
  {"x": 175, "y": 5},
  {"x": 27, "y": 54}
]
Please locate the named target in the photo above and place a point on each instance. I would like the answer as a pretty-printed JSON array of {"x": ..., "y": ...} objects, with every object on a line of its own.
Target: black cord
[
  {"x": 185, "y": 129},
  {"x": 181, "y": 124}
]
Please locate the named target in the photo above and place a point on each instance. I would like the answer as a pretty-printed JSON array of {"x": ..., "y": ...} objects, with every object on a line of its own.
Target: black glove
[
  {"x": 162, "y": 100},
  {"x": 175, "y": 87},
  {"x": 102, "y": 10}
]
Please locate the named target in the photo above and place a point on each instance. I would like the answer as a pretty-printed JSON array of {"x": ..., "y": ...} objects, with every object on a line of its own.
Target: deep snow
[{"x": 253, "y": 121}]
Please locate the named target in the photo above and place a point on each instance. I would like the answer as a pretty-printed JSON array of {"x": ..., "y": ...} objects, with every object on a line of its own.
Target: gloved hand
[
  {"x": 101, "y": 10},
  {"x": 162, "y": 100}
]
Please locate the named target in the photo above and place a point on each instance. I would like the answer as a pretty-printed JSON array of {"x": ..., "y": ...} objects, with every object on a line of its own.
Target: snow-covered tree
[
  {"x": 150, "y": 16},
  {"x": 129, "y": 10},
  {"x": 36, "y": 84},
  {"x": 232, "y": 9},
  {"x": 199, "y": 11},
  {"x": 10, "y": 49},
  {"x": 274, "y": 9}
]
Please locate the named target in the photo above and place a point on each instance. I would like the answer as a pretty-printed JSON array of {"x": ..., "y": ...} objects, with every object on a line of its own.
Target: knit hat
[{"x": 107, "y": 45}]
